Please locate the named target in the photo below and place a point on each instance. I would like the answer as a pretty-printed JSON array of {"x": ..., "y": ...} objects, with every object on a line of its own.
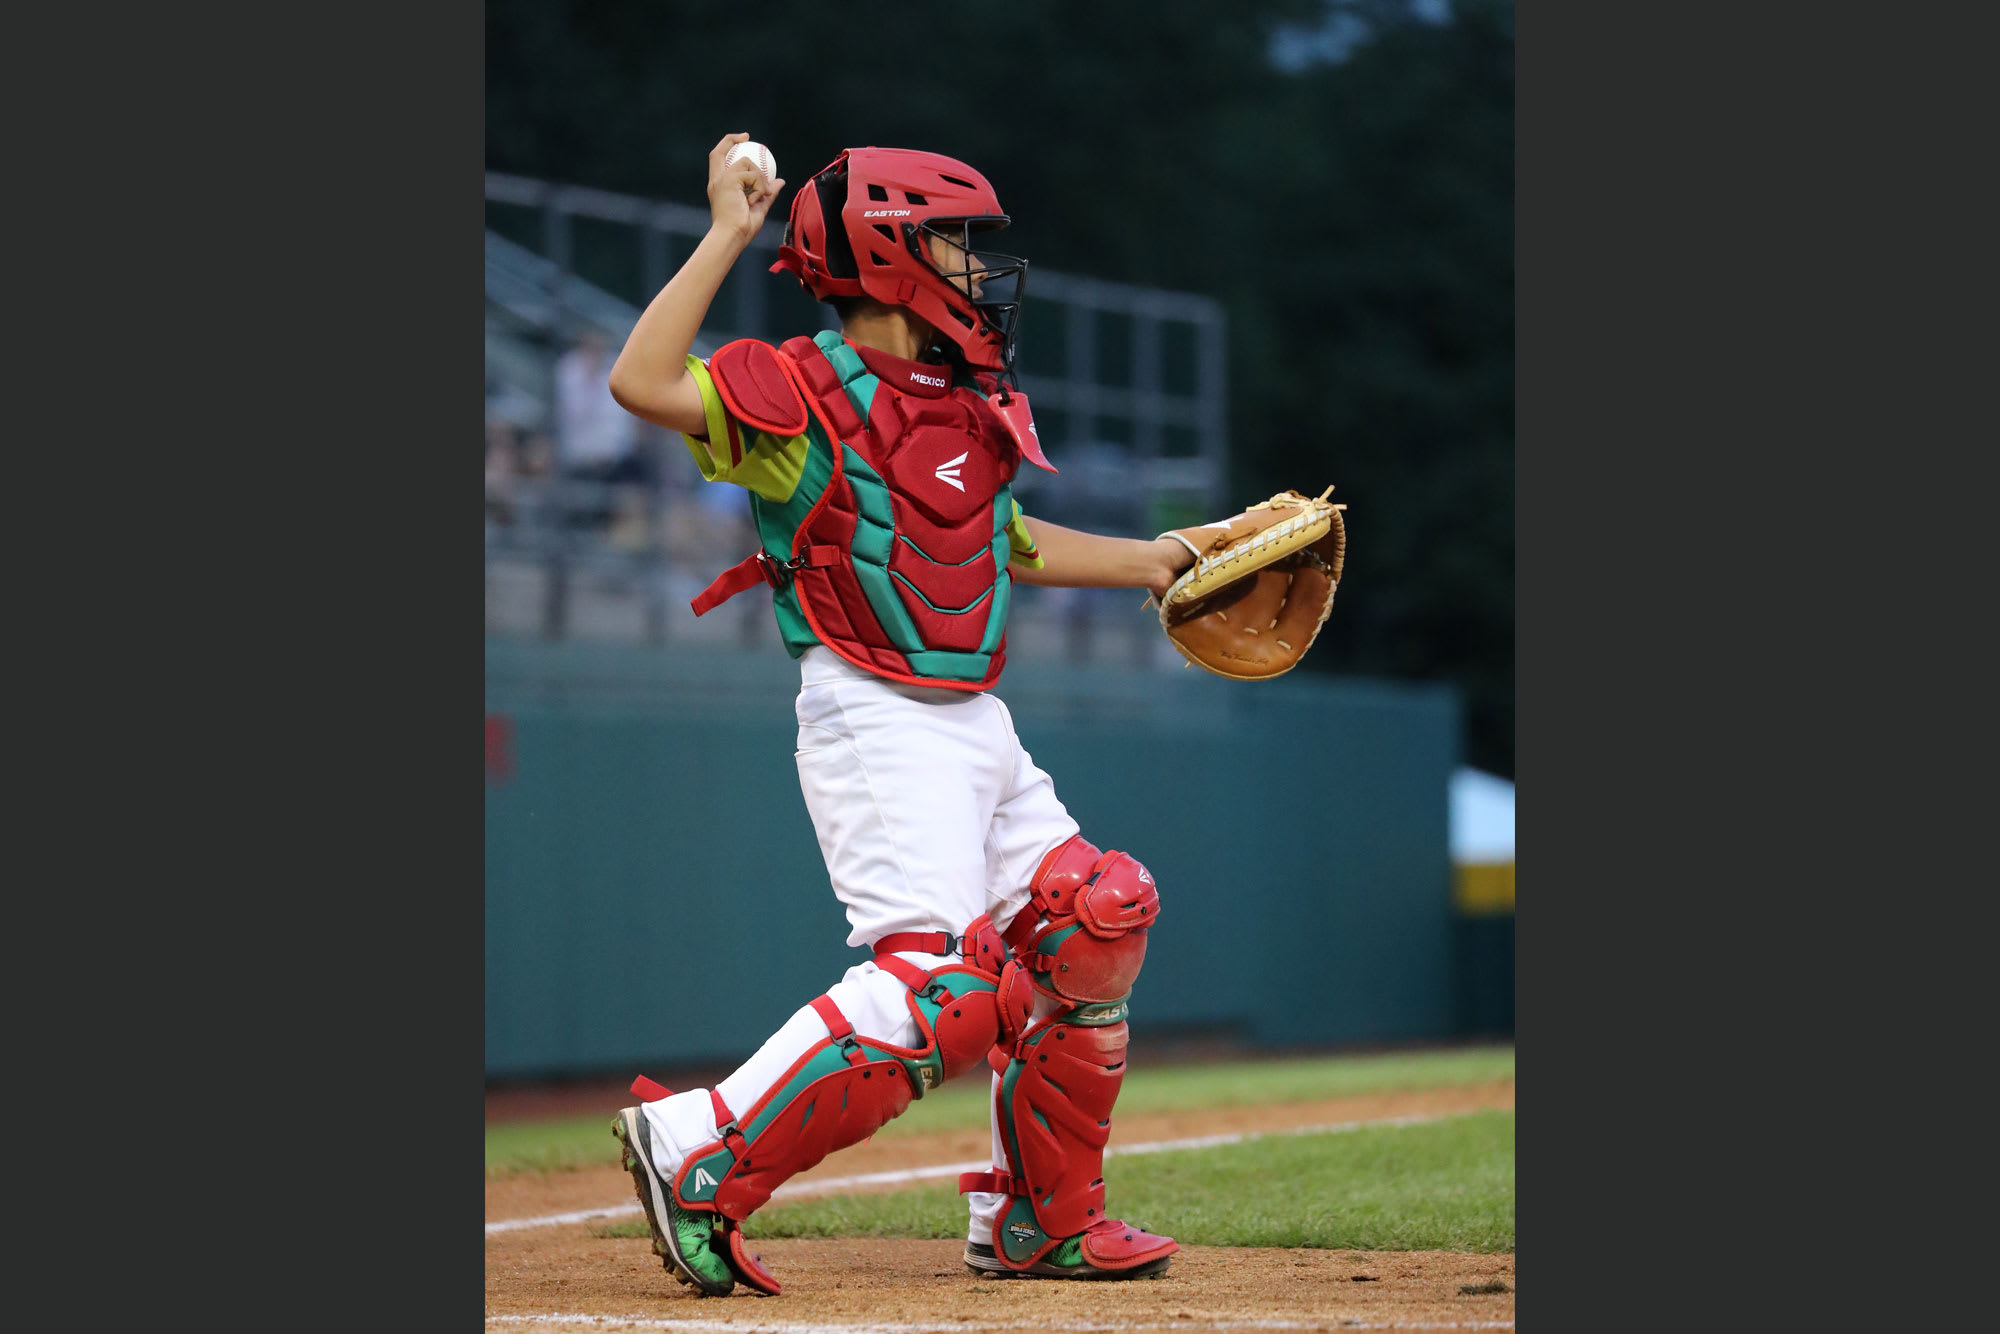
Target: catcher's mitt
[{"x": 1260, "y": 587}]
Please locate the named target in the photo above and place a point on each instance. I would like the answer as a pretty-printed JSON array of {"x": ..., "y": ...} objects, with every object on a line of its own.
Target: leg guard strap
[
  {"x": 725, "y": 1123},
  {"x": 1000, "y": 1183},
  {"x": 916, "y": 979},
  {"x": 980, "y": 946},
  {"x": 839, "y": 1029}
]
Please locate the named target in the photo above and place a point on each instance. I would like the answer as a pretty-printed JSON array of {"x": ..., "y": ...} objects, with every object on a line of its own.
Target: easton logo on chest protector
[{"x": 932, "y": 454}]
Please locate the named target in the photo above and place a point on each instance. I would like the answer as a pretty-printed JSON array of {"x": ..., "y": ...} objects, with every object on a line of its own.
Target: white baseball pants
[{"x": 928, "y": 812}]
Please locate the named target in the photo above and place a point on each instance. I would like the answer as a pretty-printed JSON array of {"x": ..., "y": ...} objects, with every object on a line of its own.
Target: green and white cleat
[{"x": 685, "y": 1241}]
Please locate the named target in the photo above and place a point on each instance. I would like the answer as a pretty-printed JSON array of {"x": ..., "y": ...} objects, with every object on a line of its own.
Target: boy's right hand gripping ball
[
  {"x": 759, "y": 155},
  {"x": 1260, "y": 587}
]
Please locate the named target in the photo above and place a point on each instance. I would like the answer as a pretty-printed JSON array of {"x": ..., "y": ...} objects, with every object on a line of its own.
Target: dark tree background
[{"x": 1339, "y": 175}]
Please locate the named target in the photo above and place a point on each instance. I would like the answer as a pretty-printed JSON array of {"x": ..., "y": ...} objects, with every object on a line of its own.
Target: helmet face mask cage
[{"x": 993, "y": 284}]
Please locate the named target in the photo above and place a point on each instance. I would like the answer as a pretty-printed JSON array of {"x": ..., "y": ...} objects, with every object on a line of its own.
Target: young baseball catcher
[{"x": 878, "y": 461}]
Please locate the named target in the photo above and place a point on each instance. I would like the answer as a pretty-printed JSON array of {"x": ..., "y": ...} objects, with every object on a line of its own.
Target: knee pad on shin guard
[{"x": 1082, "y": 934}]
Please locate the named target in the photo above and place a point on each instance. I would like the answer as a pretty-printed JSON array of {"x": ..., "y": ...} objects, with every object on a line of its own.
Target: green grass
[
  {"x": 549, "y": 1146},
  {"x": 578, "y": 1142},
  {"x": 1308, "y": 1079},
  {"x": 1441, "y": 1185}
]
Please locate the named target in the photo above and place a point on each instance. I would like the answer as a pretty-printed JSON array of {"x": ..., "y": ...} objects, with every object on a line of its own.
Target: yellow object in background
[
  {"x": 1483, "y": 889},
  {"x": 1482, "y": 844}
]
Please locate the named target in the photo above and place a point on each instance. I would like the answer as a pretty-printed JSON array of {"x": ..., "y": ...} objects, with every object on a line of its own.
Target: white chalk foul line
[
  {"x": 1121, "y": 1327},
  {"x": 833, "y": 1185}
]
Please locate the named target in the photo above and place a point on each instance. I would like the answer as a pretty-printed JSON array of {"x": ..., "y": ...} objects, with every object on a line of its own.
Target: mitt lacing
[{"x": 1289, "y": 499}]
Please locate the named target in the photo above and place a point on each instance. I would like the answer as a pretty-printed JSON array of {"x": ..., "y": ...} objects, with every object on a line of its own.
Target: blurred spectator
[
  {"x": 538, "y": 456},
  {"x": 503, "y": 469},
  {"x": 596, "y": 438},
  {"x": 708, "y": 529},
  {"x": 518, "y": 462},
  {"x": 631, "y": 521}
]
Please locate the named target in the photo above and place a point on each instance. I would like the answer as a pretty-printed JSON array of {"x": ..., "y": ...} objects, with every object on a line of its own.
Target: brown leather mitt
[{"x": 1260, "y": 587}]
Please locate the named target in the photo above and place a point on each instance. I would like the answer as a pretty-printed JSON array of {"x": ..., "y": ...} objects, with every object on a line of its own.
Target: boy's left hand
[
  {"x": 1274, "y": 567},
  {"x": 1174, "y": 558}
]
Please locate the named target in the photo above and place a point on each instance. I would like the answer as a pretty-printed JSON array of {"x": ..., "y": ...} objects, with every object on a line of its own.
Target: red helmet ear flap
[
  {"x": 790, "y": 261},
  {"x": 817, "y": 254}
]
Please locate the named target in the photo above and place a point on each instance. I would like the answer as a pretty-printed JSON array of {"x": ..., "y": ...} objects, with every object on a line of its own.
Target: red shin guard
[
  {"x": 1055, "y": 1114},
  {"x": 1057, "y": 1117},
  {"x": 1083, "y": 936},
  {"x": 844, "y": 1089}
]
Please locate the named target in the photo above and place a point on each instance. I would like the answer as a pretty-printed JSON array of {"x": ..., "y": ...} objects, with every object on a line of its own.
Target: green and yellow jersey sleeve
[
  {"x": 771, "y": 466},
  {"x": 730, "y": 452},
  {"x": 1021, "y": 545}
]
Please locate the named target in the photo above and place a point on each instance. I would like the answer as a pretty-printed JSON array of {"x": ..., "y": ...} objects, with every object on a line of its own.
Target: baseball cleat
[
  {"x": 684, "y": 1240},
  {"x": 1114, "y": 1245}
]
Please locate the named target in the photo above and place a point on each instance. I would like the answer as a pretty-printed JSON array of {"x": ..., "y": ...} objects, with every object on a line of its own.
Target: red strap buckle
[
  {"x": 913, "y": 977},
  {"x": 839, "y": 1029},
  {"x": 830, "y": 1015},
  {"x": 1003, "y": 1183},
  {"x": 761, "y": 566},
  {"x": 922, "y": 942},
  {"x": 777, "y": 573},
  {"x": 725, "y": 1127}
]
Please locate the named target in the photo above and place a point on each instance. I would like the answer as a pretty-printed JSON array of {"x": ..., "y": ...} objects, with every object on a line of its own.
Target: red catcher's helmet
[{"x": 886, "y": 201}]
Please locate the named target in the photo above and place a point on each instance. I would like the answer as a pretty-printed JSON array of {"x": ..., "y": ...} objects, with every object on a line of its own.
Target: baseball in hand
[{"x": 758, "y": 154}]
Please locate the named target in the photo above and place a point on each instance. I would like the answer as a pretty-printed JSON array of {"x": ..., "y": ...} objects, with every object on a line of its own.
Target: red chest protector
[{"x": 893, "y": 546}]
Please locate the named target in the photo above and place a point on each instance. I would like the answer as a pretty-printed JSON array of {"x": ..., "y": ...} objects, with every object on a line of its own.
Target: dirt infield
[
  {"x": 921, "y": 1285},
  {"x": 561, "y": 1276}
]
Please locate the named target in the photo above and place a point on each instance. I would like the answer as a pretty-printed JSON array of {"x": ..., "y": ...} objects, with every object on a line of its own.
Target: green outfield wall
[{"x": 655, "y": 896}]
